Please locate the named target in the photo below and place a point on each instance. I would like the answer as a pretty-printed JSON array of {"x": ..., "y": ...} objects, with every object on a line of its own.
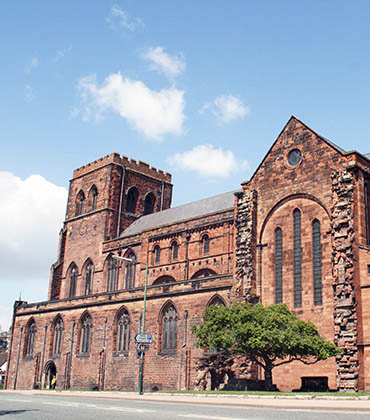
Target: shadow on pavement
[{"x": 5, "y": 412}]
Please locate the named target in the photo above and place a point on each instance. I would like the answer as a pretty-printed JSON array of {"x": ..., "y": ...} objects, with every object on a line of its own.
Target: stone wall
[
  {"x": 345, "y": 315},
  {"x": 245, "y": 248}
]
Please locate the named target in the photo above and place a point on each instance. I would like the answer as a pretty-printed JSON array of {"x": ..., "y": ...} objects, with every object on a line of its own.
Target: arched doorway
[{"x": 50, "y": 372}]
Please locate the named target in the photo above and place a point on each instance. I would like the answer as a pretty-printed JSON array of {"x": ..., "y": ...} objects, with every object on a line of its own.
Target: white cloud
[
  {"x": 123, "y": 19},
  {"x": 152, "y": 113},
  {"x": 226, "y": 108},
  {"x": 62, "y": 53},
  {"x": 162, "y": 62},
  {"x": 31, "y": 214},
  {"x": 208, "y": 160},
  {"x": 31, "y": 65},
  {"x": 29, "y": 93}
]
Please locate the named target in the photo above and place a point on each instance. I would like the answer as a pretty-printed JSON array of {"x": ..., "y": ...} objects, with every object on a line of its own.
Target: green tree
[{"x": 270, "y": 336}]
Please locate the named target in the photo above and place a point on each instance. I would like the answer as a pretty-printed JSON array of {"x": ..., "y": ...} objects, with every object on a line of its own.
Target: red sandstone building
[{"x": 297, "y": 232}]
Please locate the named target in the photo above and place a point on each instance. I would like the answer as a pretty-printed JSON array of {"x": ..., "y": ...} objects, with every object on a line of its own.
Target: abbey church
[{"x": 296, "y": 232}]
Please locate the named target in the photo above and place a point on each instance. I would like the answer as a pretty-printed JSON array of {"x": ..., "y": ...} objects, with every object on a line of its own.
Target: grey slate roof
[
  {"x": 192, "y": 210},
  {"x": 367, "y": 155},
  {"x": 3, "y": 358}
]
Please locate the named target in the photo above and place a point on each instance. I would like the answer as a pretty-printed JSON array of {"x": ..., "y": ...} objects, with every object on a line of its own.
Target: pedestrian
[{"x": 53, "y": 382}]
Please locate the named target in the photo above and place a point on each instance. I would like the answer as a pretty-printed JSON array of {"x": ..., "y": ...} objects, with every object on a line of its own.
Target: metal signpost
[{"x": 143, "y": 340}]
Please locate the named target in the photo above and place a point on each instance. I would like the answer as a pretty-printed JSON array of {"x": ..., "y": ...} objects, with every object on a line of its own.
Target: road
[{"x": 63, "y": 407}]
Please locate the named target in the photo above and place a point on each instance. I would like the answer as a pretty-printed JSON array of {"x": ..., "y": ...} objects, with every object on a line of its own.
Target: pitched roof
[
  {"x": 188, "y": 211},
  {"x": 367, "y": 155},
  {"x": 3, "y": 358}
]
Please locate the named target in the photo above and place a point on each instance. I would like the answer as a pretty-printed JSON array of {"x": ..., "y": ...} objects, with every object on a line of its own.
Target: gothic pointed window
[
  {"x": 149, "y": 203},
  {"x": 367, "y": 210},
  {"x": 123, "y": 332},
  {"x": 79, "y": 203},
  {"x": 30, "y": 338},
  {"x": 89, "y": 274},
  {"x": 94, "y": 198},
  {"x": 278, "y": 265},
  {"x": 73, "y": 281},
  {"x": 131, "y": 201},
  {"x": 85, "y": 325},
  {"x": 157, "y": 254},
  {"x": 297, "y": 258},
  {"x": 130, "y": 271},
  {"x": 169, "y": 329},
  {"x": 205, "y": 244},
  {"x": 174, "y": 251},
  {"x": 57, "y": 336},
  {"x": 112, "y": 281},
  {"x": 317, "y": 263}
]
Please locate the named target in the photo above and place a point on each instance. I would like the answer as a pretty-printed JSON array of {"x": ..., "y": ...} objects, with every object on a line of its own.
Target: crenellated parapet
[{"x": 138, "y": 166}]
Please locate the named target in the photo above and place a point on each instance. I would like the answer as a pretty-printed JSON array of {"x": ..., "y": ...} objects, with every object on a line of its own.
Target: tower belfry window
[{"x": 149, "y": 204}]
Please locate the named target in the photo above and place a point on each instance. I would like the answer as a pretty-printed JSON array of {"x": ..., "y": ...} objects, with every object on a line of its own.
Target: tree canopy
[{"x": 270, "y": 336}]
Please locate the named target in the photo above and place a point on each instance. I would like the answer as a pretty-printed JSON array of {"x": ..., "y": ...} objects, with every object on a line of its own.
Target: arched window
[
  {"x": 131, "y": 201},
  {"x": 174, "y": 251},
  {"x": 130, "y": 271},
  {"x": 297, "y": 258},
  {"x": 278, "y": 266},
  {"x": 94, "y": 197},
  {"x": 164, "y": 280},
  {"x": 89, "y": 275},
  {"x": 79, "y": 203},
  {"x": 85, "y": 325},
  {"x": 73, "y": 281},
  {"x": 57, "y": 336},
  {"x": 204, "y": 272},
  {"x": 112, "y": 281},
  {"x": 149, "y": 204},
  {"x": 30, "y": 338},
  {"x": 317, "y": 266},
  {"x": 169, "y": 329},
  {"x": 157, "y": 254},
  {"x": 123, "y": 332},
  {"x": 216, "y": 300},
  {"x": 205, "y": 244}
]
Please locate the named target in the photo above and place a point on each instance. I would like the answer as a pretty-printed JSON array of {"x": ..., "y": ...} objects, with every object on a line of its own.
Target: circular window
[{"x": 294, "y": 157}]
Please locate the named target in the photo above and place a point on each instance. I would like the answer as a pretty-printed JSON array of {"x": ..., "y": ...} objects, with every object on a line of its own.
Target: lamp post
[{"x": 118, "y": 257}]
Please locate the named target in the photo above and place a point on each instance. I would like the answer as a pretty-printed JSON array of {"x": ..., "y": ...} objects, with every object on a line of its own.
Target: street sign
[
  {"x": 143, "y": 338},
  {"x": 142, "y": 347}
]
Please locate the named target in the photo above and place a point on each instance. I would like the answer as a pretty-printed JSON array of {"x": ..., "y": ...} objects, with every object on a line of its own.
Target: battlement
[{"x": 137, "y": 166}]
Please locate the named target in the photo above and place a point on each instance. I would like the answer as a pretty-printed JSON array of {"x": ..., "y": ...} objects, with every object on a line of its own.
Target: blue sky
[{"x": 199, "y": 89}]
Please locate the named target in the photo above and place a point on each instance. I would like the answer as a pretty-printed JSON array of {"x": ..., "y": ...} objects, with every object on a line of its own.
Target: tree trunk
[{"x": 268, "y": 378}]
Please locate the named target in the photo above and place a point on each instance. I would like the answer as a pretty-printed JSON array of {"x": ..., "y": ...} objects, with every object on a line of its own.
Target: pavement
[{"x": 294, "y": 401}]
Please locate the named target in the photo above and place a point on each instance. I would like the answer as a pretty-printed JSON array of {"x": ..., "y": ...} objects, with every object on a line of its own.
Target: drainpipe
[
  {"x": 367, "y": 214},
  {"x": 187, "y": 237},
  {"x": 43, "y": 353},
  {"x": 104, "y": 356},
  {"x": 121, "y": 200},
  {"x": 19, "y": 352},
  {"x": 182, "y": 347}
]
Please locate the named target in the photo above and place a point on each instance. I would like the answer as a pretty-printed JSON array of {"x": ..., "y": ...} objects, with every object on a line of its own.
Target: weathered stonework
[
  {"x": 245, "y": 287},
  {"x": 345, "y": 315}
]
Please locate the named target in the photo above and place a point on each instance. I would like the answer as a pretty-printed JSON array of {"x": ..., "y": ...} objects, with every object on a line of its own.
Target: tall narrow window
[
  {"x": 85, "y": 334},
  {"x": 278, "y": 265},
  {"x": 174, "y": 251},
  {"x": 297, "y": 258},
  {"x": 205, "y": 244},
  {"x": 130, "y": 271},
  {"x": 94, "y": 198},
  {"x": 123, "y": 332},
  {"x": 131, "y": 201},
  {"x": 57, "y": 339},
  {"x": 157, "y": 254},
  {"x": 367, "y": 211},
  {"x": 149, "y": 204},
  {"x": 112, "y": 283},
  {"x": 317, "y": 265},
  {"x": 79, "y": 203},
  {"x": 169, "y": 329},
  {"x": 89, "y": 274},
  {"x": 73, "y": 281},
  {"x": 30, "y": 338}
]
